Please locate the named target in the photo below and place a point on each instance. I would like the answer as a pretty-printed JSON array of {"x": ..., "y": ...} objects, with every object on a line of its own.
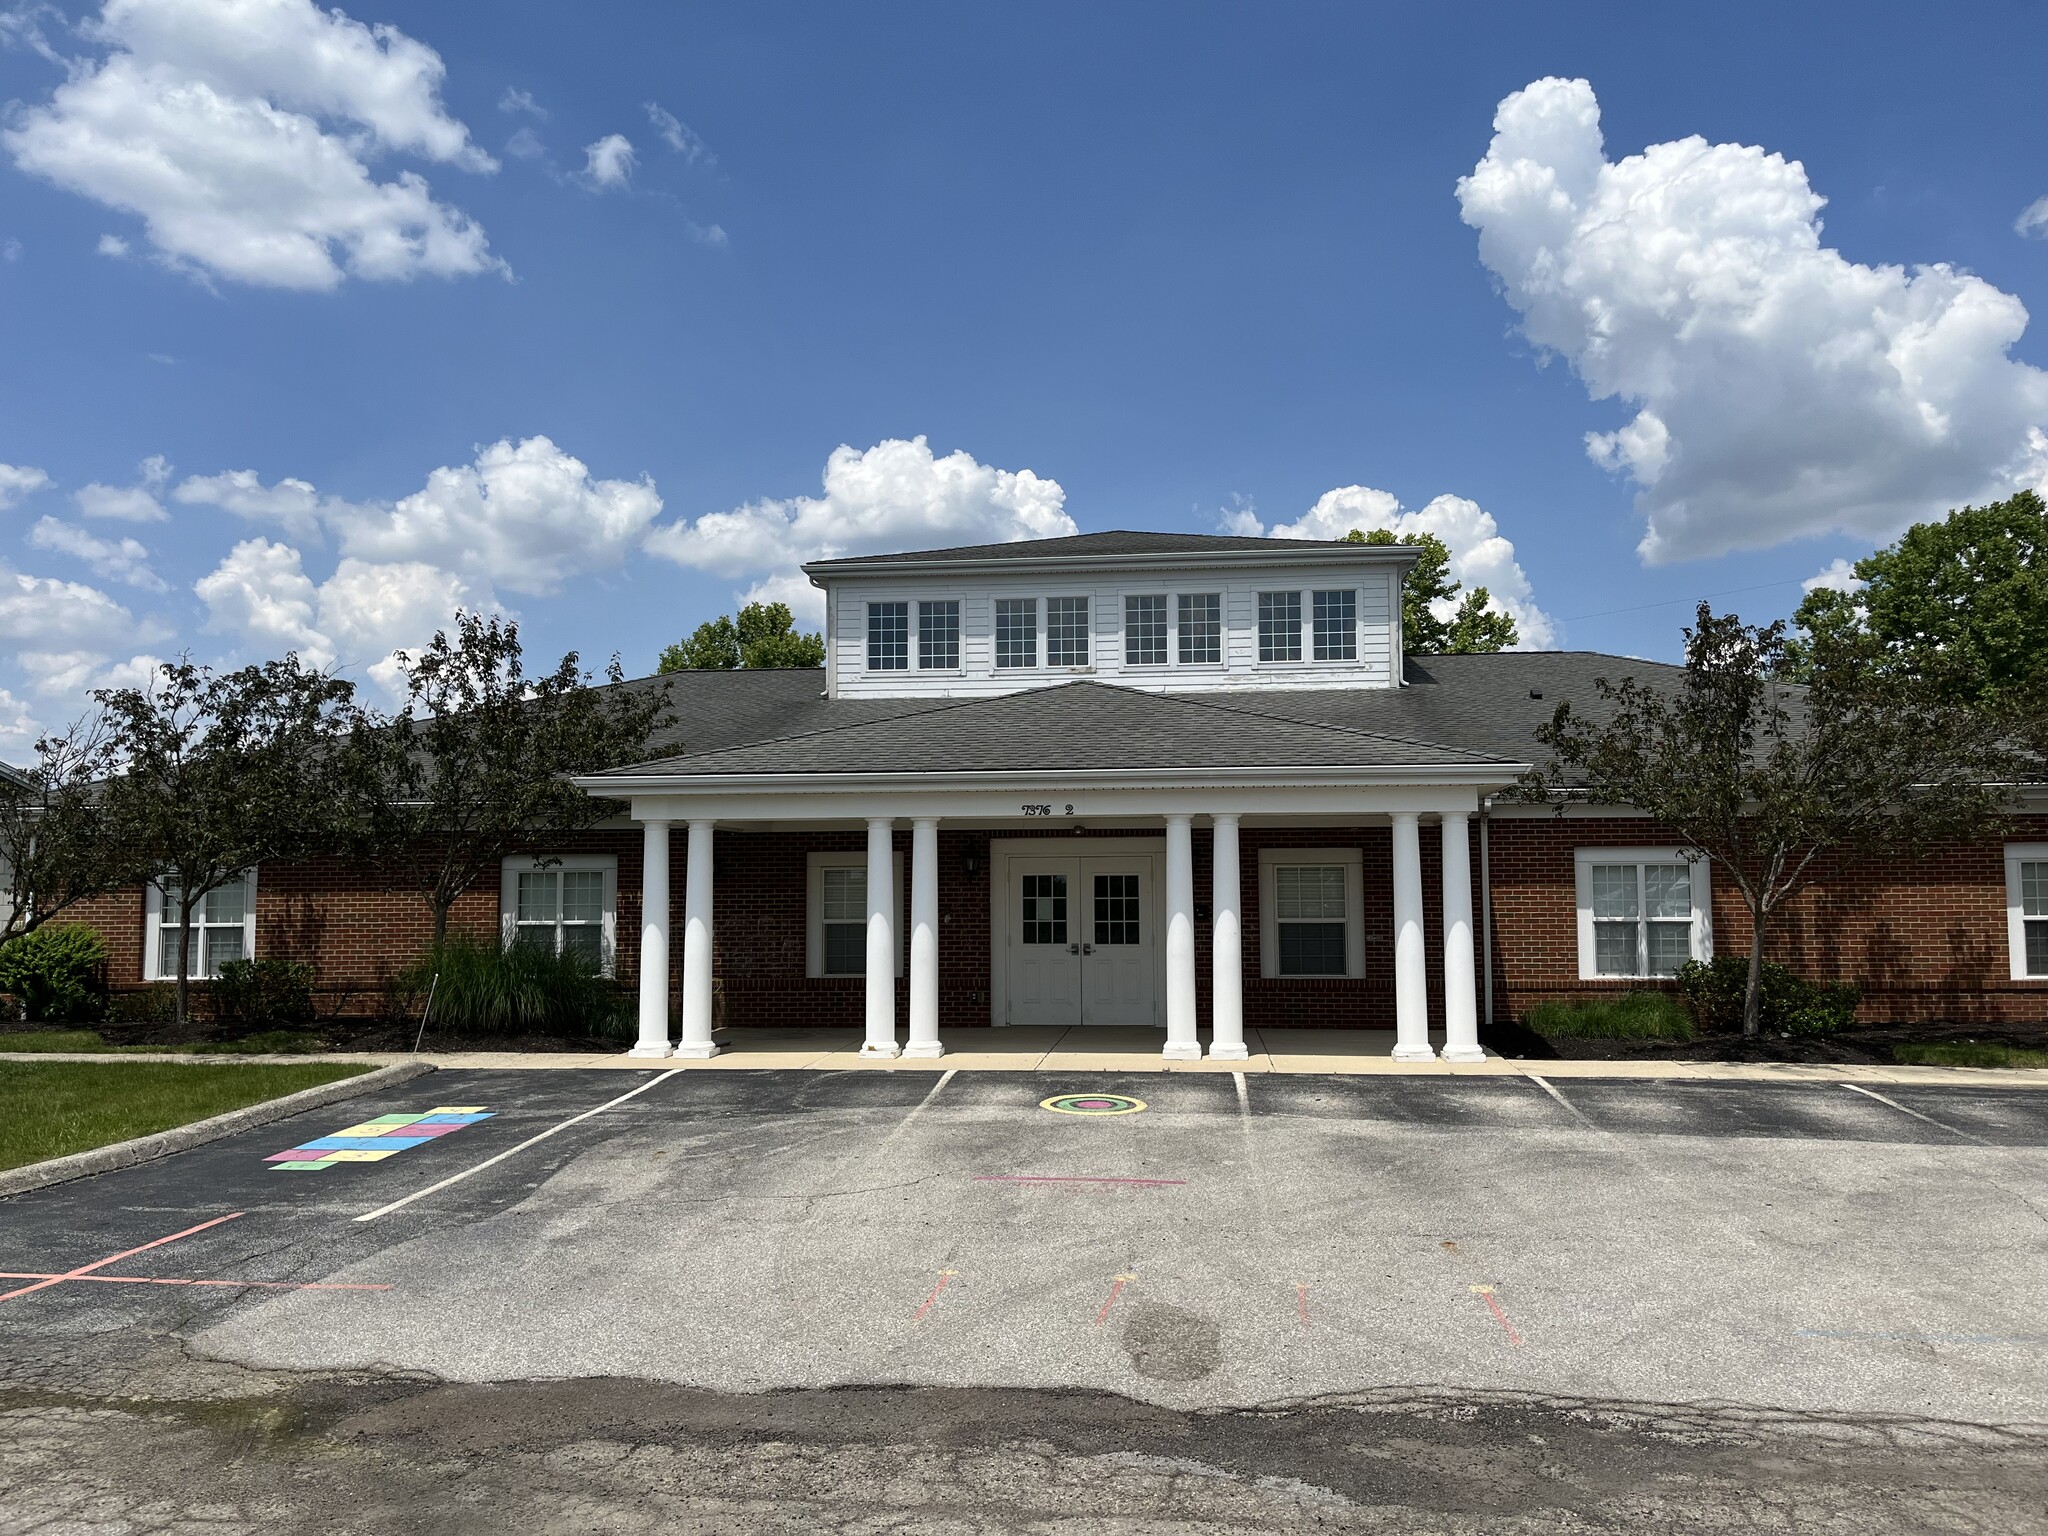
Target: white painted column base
[
  {"x": 694, "y": 1050},
  {"x": 651, "y": 1052}
]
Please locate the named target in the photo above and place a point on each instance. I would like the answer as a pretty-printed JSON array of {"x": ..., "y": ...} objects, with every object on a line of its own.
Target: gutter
[
  {"x": 1441, "y": 776},
  {"x": 1305, "y": 554}
]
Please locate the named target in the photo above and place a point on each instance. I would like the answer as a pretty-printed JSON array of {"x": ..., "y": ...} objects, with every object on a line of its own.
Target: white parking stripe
[
  {"x": 1570, "y": 1108},
  {"x": 1895, "y": 1104},
  {"x": 386, "y": 1210}
]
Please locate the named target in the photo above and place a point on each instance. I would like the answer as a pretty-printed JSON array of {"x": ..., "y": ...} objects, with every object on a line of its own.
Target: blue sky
[{"x": 1164, "y": 266}]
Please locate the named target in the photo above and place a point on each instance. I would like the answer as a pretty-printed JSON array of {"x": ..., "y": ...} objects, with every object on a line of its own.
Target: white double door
[{"x": 1082, "y": 942}]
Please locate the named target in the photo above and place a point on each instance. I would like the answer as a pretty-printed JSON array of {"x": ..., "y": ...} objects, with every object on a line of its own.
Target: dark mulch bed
[{"x": 1872, "y": 1045}]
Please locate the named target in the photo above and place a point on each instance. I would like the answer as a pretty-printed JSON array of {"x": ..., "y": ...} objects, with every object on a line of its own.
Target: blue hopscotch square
[
  {"x": 450, "y": 1119},
  {"x": 358, "y": 1144}
]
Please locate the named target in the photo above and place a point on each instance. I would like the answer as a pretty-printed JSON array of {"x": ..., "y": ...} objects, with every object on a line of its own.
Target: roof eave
[
  {"x": 1284, "y": 553},
  {"x": 615, "y": 786}
]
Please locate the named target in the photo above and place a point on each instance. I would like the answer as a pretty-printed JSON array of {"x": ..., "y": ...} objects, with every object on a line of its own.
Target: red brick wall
[{"x": 1926, "y": 939}]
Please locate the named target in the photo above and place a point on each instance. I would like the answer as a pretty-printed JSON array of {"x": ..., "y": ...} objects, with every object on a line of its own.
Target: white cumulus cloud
[
  {"x": 291, "y": 503},
  {"x": 18, "y": 730},
  {"x": 128, "y": 503},
  {"x": 609, "y": 162},
  {"x": 241, "y": 134},
  {"x": 1778, "y": 388},
  {"x": 895, "y": 495},
  {"x": 42, "y": 612},
  {"x": 17, "y": 481},
  {"x": 123, "y": 560},
  {"x": 2033, "y": 219},
  {"x": 1840, "y": 576},
  {"x": 112, "y": 245},
  {"x": 1480, "y": 555},
  {"x": 261, "y": 593}
]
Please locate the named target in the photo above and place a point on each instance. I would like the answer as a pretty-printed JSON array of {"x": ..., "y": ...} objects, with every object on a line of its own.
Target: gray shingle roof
[
  {"x": 1074, "y": 727},
  {"x": 1106, "y": 545}
]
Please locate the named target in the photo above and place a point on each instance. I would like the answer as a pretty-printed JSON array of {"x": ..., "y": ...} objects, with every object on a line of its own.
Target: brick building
[{"x": 1152, "y": 779}]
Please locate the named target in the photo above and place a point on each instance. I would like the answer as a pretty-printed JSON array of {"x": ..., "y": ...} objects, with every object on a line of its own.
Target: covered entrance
[{"x": 1074, "y": 932}]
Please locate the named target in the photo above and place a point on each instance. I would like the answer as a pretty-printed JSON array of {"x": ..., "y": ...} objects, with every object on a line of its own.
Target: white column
[
  {"x": 1183, "y": 1043},
  {"x": 1411, "y": 970},
  {"x": 924, "y": 939},
  {"x": 881, "y": 1010},
  {"x": 1226, "y": 946},
  {"x": 1461, "y": 1008},
  {"x": 696, "y": 1039},
  {"x": 653, "y": 941}
]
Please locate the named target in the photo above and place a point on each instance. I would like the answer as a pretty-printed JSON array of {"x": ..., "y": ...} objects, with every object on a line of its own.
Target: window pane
[
  {"x": 1066, "y": 632},
  {"x": 167, "y": 950},
  {"x": 1614, "y": 890},
  {"x": 1145, "y": 631},
  {"x": 583, "y": 939},
  {"x": 1336, "y": 625},
  {"x": 1667, "y": 890},
  {"x": 537, "y": 889},
  {"x": 229, "y": 904},
  {"x": 1016, "y": 631},
  {"x": 846, "y": 894},
  {"x": 582, "y": 895},
  {"x": 1116, "y": 909},
  {"x": 888, "y": 637},
  {"x": 540, "y": 936},
  {"x": 1045, "y": 909},
  {"x": 1308, "y": 891},
  {"x": 1311, "y": 949},
  {"x": 846, "y": 949},
  {"x": 1201, "y": 628},
  {"x": 222, "y": 945},
  {"x": 938, "y": 635},
  {"x": 2034, "y": 889},
  {"x": 173, "y": 903},
  {"x": 2037, "y": 949},
  {"x": 1614, "y": 948},
  {"x": 1670, "y": 947},
  {"x": 1279, "y": 626}
]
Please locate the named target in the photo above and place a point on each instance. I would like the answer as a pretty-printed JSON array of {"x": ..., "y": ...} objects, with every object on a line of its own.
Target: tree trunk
[
  {"x": 441, "y": 906},
  {"x": 1753, "y": 993},
  {"x": 184, "y": 961}
]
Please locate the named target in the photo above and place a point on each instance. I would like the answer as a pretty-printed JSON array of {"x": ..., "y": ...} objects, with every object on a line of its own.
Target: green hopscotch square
[
  {"x": 392, "y": 1120},
  {"x": 307, "y": 1167}
]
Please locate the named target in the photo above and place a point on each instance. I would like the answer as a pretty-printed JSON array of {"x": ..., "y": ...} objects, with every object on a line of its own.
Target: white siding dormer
[{"x": 1231, "y": 582}]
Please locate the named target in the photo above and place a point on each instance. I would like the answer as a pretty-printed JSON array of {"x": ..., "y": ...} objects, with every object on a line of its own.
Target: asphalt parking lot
[{"x": 1810, "y": 1256}]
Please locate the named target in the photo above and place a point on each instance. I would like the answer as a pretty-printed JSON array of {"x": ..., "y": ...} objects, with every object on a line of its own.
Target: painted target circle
[{"x": 1092, "y": 1104}]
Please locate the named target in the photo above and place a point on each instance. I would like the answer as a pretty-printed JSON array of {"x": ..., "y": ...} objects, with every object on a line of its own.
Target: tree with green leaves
[
  {"x": 56, "y": 849},
  {"x": 1766, "y": 778},
  {"x": 478, "y": 763},
  {"x": 764, "y": 635},
  {"x": 1473, "y": 626},
  {"x": 213, "y": 773}
]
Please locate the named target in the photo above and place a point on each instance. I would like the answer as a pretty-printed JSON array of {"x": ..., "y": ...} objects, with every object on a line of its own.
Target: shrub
[
  {"x": 56, "y": 972},
  {"x": 1714, "y": 990},
  {"x": 486, "y": 990},
  {"x": 1641, "y": 1015},
  {"x": 155, "y": 1004},
  {"x": 253, "y": 992}
]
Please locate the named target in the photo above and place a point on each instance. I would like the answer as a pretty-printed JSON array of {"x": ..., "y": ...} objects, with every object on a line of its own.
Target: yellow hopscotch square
[
  {"x": 358, "y": 1157},
  {"x": 364, "y": 1130},
  {"x": 456, "y": 1109}
]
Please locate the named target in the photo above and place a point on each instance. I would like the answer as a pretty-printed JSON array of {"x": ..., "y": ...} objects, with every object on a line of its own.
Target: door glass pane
[
  {"x": 846, "y": 894},
  {"x": 1145, "y": 631},
  {"x": 938, "y": 635},
  {"x": 1336, "y": 625},
  {"x": 1045, "y": 909},
  {"x": 582, "y": 896},
  {"x": 1116, "y": 909},
  {"x": 1016, "y": 631},
  {"x": 1670, "y": 947},
  {"x": 888, "y": 637},
  {"x": 1667, "y": 890},
  {"x": 1305, "y": 891},
  {"x": 1614, "y": 948},
  {"x": 1614, "y": 890},
  {"x": 1279, "y": 626},
  {"x": 1201, "y": 628},
  {"x": 1311, "y": 949},
  {"x": 846, "y": 949},
  {"x": 537, "y": 888},
  {"x": 1066, "y": 632}
]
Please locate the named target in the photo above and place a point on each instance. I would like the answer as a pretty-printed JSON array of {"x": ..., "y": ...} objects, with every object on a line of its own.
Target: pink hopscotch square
[{"x": 296, "y": 1155}]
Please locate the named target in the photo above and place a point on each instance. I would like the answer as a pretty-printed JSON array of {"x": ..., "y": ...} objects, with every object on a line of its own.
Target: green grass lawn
[
  {"x": 271, "y": 1042},
  {"x": 54, "y": 1108},
  {"x": 1642, "y": 1015},
  {"x": 1967, "y": 1053}
]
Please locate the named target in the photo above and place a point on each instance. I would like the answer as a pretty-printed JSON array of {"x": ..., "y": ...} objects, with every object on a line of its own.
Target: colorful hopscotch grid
[{"x": 375, "y": 1140}]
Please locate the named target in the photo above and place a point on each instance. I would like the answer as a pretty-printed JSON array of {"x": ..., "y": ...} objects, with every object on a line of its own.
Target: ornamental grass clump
[
  {"x": 1641, "y": 1015},
  {"x": 485, "y": 989}
]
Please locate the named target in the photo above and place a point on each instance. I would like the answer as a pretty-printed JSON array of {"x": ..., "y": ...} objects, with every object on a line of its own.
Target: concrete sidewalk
[{"x": 1342, "y": 1052}]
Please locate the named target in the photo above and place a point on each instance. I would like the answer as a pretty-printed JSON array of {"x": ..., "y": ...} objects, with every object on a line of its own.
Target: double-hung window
[
  {"x": 223, "y": 929},
  {"x": 1279, "y": 626},
  {"x": 838, "y": 920},
  {"x": 938, "y": 636},
  {"x": 1145, "y": 631},
  {"x": 565, "y": 905},
  {"x": 1201, "y": 628},
  {"x": 1066, "y": 632},
  {"x": 1016, "y": 632},
  {"x": 2026, "y": 909},
  {"x": 1311, "y": 903},
  {"x": 1643, "y": 912},
  {"x": 1334, "y": 619},
  {"x": 888, "y": 637}
]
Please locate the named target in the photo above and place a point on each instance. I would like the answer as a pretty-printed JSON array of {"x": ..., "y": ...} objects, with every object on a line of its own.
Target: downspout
[{"x": 1486, "y": 912}]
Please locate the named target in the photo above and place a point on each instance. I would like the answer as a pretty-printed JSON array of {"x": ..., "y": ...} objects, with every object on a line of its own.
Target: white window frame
[
  {"x": 1222, "y": 661},
  {"x": 1353, "y": 862},
  {"x": 153, "y": 931},
  {"x": 526, "y": 863},
  {"x": 2017, "y": 854},
  {"x": 867, "y": 636},
  {"x": 1701, "y": 938},
  {"x": 1124, "y": 662},
  {"x": 995, "y": 634},
  {"x": 917, "y": 609},
  {"x": 814, "y": 910}
]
